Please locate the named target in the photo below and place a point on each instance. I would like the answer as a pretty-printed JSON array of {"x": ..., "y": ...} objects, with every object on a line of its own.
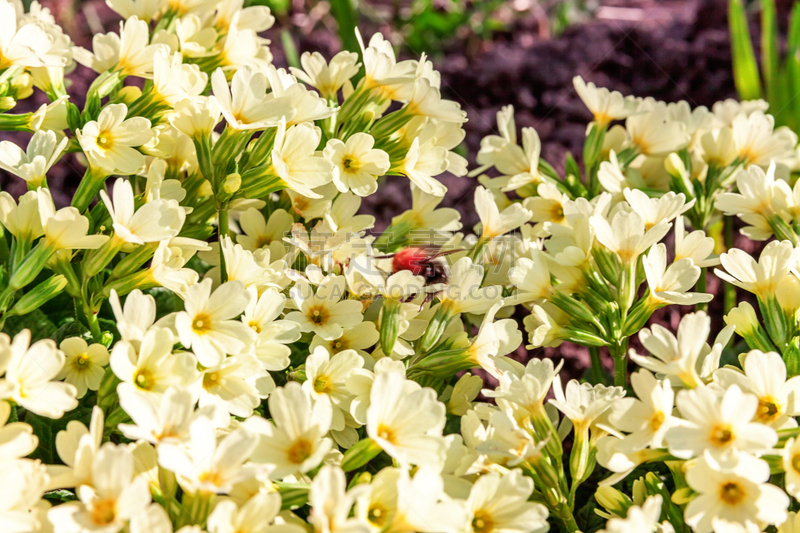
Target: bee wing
[{"x": 446, "y": 252}]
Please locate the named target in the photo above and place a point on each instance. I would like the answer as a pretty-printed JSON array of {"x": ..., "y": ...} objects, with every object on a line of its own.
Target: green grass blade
[
  {"x": 793, "y": 66},
  {"x": 347, "y": 19},
  {"x": 775, "y": 75},
  {"x": 770, "y": 61},
  {"x": 745, "y": 69},
  {"x": 289, "y": 48}
]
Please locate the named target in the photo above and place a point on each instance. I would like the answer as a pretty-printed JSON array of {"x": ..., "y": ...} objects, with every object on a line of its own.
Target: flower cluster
[{"x": 211, "y": 338}]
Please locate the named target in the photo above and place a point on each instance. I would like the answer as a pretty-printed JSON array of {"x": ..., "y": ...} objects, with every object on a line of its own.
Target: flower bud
[
  {"x": 775, "y": 320},
  {"x": 22, "y": 86},
  {"x": 96, "y": 260},
  {"x": 743, "y": 317},
  {"x": 39, "y": 295},
  {"x": 30, "y": 267},
  {"x": 360, "y": 454},
  {"x": 128, "y": 95},
  {"x": 232, "y": 183},
  {"x": 788, "y": 294},
  {"x": 675, "y": 167},
  {"x": 7, "y": 103},
  {"x": 229, "y": 145},
  {"x": 390, "y": 323},
  {"x": 613, "y": 501}
]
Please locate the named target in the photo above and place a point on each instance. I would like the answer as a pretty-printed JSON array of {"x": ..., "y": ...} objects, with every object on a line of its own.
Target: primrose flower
[
  {"x": 152, "y": 367},
  {"x": 208, "y": 324},
  {"x": 114, "y": 497},
  {"x": 405, "y": 424},
  {"x": 109, "y": 142},
  {"x": 83, "y": 365},
  {"x": 718, "y": 428},
  {"x": 357, "y": 165},
  {"x": 30, "y": 373},
  {"x": 245, "y": 104},
  {"x": 605, "y": 105},
  {"x": 206, "y": 464},
  {"x": 326, "y": 77},
  {"x": 43, "y": 150},
  {"x": 22, "y": 220},
  {"x": 153, "y": 222},
  {"x": 758, "y": 277},
  {"x": 734, "y": 493},
  {"x": 295, "y": 440},
  {"x": 295, "y": 161},
  {"x": 324, "y": 312},
  {"x": 627, "y": 235}
]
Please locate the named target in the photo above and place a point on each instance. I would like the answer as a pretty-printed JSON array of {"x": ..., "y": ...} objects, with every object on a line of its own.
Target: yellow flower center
[
  {"x": 377, "y": 515},
  {"x": 482, "y": 522},
  {"x": 796, "y": 463},
  {"x": 732, "y": 493},
  {"x": 104, "y": 512},
  {"x": 657, "y": 420},
  {"x": 299, "y": 451},
  {"x": 323, "y": 384},
  {"x": 105, "y": 140},
  {"x": 212, "y": 476},
  {"x": 143, "y": 379},
  {"x": 263, "y": 240},
  {"x": 255, "y": 326},
  {"x": 602, "y": 118},
  {"x": 557, "y": 213},
  {"x": 211, "y": 379},
  {"x": 768, "y": 410},
  {"x": 350, "y": 163},
  {"x": 338, "y": 346},
  {"x": 201, "y": 324},
  {"x": 81, "y": 362},
  {"x": 317, "y": 315},
  {"x": 386, "y": 433},
  {"x": 721, "y": 435}
]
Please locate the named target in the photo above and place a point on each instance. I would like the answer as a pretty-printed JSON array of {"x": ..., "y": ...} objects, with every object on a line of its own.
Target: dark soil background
[{"x": 671, "y": 50}]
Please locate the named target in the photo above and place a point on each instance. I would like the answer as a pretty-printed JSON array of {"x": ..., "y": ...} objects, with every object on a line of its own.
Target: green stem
[
  {"x": 567, "y": 519},
  {"x": 89, "y": 187},
  {"x": 598, "y": 373},
  {"x": 94, "y": 324},
  {"x": 477, "y": 250},
  {"x": 701, "y": 287},
  {"x": 730, "y": 289},
  {"x": 620, "y": 355},
  {"x": 223, "y": 232}
]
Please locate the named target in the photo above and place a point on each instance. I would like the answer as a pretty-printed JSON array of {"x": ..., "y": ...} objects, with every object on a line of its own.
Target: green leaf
[
  {"x": 745, "y": 69},
  {"x": 793, "y": 65},
  {"x": 289, "y": 48},
  {"x": 775, "y": 77},
  {"x": 770, "y": 61},
  {"x": 70, "y": 328},
  {"x": 41, "y": 327},
  {"x": 46, "y": 429},
  {"x": 166, "y": 301},
  {"x": 60, "y": 495},
  {"x": 346, "y": 17}
]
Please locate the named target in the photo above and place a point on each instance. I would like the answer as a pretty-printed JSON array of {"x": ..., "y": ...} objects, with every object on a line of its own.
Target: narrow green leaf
[
  {"x": 793, "y": 66},
  {"x": 347, "y": 18},
  {"x": 745, "y": 69},
  {"x": 292, "y": 57},
  {"x": 770, "y": 61},
  {"x": 775, "y": 77}
]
